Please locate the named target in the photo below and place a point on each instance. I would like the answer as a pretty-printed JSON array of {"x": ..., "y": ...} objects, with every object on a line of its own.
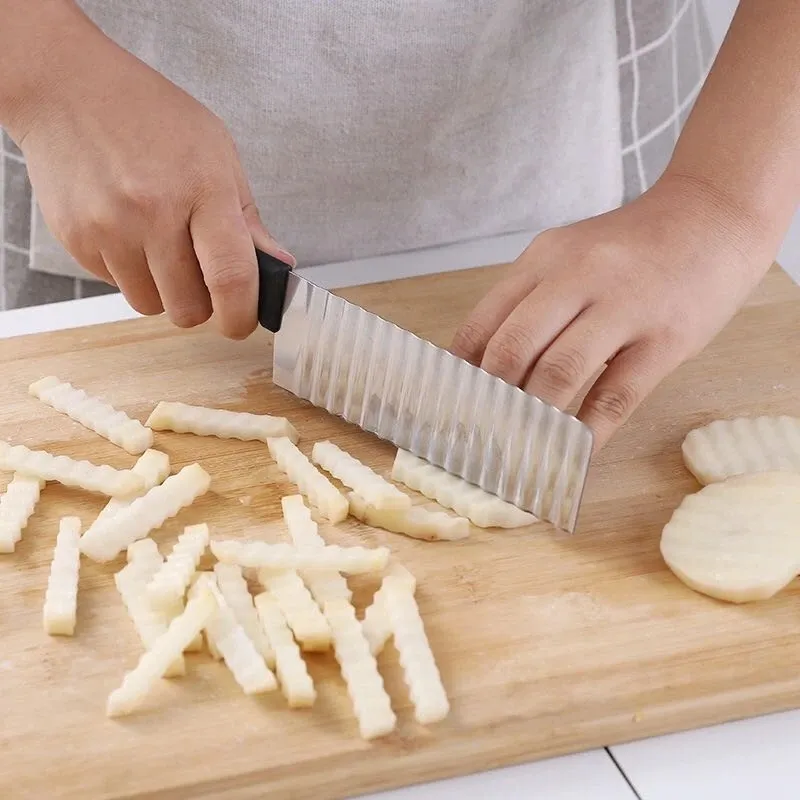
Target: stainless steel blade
[{"x": 423, "y": 399}]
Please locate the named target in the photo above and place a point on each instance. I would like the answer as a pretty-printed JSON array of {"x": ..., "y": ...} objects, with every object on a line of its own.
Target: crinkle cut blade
[{"x": 421, "y": 398}]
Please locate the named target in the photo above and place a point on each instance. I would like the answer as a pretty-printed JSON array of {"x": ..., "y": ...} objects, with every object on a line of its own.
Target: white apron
[
  {"x": 369, "y": 127},
  {"x": 375, "y": 127}
]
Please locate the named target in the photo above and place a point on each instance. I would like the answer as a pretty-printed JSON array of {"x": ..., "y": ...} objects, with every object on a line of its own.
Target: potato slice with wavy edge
[
  {"x": 728, "y": 447},
  {"x": 738, "y": 540}
]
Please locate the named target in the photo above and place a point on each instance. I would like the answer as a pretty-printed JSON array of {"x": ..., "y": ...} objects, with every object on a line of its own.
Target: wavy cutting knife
[{"x": 423, "y": 399}]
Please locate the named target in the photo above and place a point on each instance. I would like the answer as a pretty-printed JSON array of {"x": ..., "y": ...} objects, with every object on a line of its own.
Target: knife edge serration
[{"x": 390, "y": 382}]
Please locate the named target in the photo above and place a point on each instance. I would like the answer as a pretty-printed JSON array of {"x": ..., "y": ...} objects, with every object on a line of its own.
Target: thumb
[{"x": 262, "y": 238}]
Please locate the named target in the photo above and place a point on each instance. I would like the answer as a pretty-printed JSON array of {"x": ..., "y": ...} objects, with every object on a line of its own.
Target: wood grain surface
[{"x": 547, "y": 643}]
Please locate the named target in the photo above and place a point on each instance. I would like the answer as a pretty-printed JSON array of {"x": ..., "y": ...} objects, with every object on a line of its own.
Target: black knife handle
[{"x": 273, "y": 276}]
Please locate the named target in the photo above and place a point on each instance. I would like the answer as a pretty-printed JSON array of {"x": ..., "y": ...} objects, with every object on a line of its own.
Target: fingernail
[{"x": 287, "y": 257}]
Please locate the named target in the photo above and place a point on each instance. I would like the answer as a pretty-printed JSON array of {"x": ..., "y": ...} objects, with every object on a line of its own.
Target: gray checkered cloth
[{"x": 664, "y": 49}]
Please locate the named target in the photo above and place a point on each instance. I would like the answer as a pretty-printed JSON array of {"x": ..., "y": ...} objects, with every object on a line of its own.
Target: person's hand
[
  {"x": 143, "y": 186},
  {"x": 640, "y": 289}
]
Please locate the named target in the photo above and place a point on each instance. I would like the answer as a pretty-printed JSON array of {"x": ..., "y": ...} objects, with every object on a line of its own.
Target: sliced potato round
[
  {"x": 737, "y": 540},
  {"x": 740, "y": 446}
]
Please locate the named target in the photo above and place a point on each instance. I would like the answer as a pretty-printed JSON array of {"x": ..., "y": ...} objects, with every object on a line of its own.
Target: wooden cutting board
[{"x": 547, "y": 643}]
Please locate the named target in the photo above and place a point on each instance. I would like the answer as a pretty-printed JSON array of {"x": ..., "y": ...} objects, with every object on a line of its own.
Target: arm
[
  {"x": 36, "y": 39},
  {"x": 634, "y": 293},
  {"x": 140, "y": 182},
  {"x": 741, "y": 143}
]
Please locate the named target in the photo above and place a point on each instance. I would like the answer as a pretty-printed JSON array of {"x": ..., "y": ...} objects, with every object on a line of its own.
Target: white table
[{"x": 737, "y": 761}]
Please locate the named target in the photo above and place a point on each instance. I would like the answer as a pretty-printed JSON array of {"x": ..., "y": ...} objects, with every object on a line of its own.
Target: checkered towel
[{"x": 663, "y": 51}]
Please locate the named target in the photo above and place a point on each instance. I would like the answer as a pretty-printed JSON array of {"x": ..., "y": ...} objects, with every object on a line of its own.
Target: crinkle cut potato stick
[
  {"x": 359, "y": 669},
  {"x": 168, "y": 585},
  {"x": 481, "y": 508},
  {"x": 17, "y": 505},
  {"x": 102, "y": 479},
  {"x": 156, "y": 661},
  {"x": 103, "y": 541},
  {"x": 302, "y": 528},
  {"x": 204, "y": 638},
  {"x": 729, "y": 447},
  {"x": 233, "y": 587},
  {"x": 350, "y": 560},
  {"x": 153, "y": 468},
  {"x": 416, "y": 657},
  {"x": 144, "y": 554},
  {"x": 224, "y": 424},
  {"x": 377, "y": 626},
  {"x": 147, "y": 550},
  {"x": 176, "y": 609},
  {"x": 295, "y": 682},
  {"x": 415, "y": 522},
  {"x": 364, "y": 481},
  {"x": 61, "y": 598},
  {"x": 371, "y": 703},
  {"x": 309, "y": 480},
  {"x": 144, "y": 561},
  {"x": 94, "y": 414},
  {"x": 737, "y": 540},
  {"x": 304, "y": 532},
  {"x": 303, "y": 616},
  {"x": 233, "y": 644},
  {"x": 136, "y": 552}
]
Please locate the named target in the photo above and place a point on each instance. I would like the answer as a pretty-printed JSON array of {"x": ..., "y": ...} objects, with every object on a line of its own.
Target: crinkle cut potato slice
[
  {"x": 741, "y": 446},
  {"x": 737, "y": 540}
]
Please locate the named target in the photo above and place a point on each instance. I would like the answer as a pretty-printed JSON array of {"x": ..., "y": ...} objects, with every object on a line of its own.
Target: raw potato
[
  {"x": 203, "y": 640},
  {"x": 171, "y": 610},
  {"x": 307, "y": 601},
  {"x": 366, "y": 483},
  {"x": 175, "y": 609},
  {"x": 738, "y": 540},
  {"x": 377, "y": 626},
  {"x": 233, "y": 587},
  {"x": 212, "y": 647},
  {"x": 146, "y": 549},
  {"x": 744, "y": 445},
  {"x": 61, "y": 598},
  {"x": 295, "y": 682},
  {"x": 153, "y": 468},
  {"x": 324, "y": 585},
  {"x": 156, "y": 661},
  {"x": 481, "y": 508},
  {"x": 143, "y": 550},
  {"x": 94, "y": 414},
  {"x": 168, "y": 586},
  {"x": 104, "y": 541},
  {"x": 309, "y": 480},
  {"x": 303, "y": 616},
  {"x": 371, "y": 703},
  {"x": 233, "y": 644},
  {"x": 80, "y": 474},
  {"x": 303, "y": 530},
  {"x": 415, "y": 522},
  {"x": 17, "y": 505},
  {"x": 183, "y": 418},
  {"x": 416, "y": 657},
  {"x": 144, "y": 561},
  {"x": 350, "y": 560}
]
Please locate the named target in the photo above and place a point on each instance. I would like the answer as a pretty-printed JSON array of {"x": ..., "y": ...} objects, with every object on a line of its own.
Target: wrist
[
  {"x": 732, "y": 221},
  {"x": 39, "y": 49}
]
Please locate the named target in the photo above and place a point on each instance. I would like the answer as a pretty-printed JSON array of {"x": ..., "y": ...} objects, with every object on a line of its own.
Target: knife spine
[{"x": 371, "y": 372}]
